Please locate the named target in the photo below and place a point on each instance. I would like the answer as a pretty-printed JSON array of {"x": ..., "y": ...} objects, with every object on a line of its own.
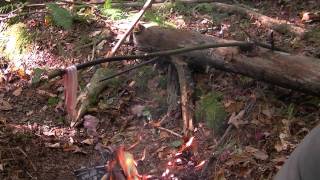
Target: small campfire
[{"x": 121, "y": 165}]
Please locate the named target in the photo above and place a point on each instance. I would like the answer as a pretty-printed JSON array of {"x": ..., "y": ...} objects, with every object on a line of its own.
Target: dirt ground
[{"x": 36, "y": 141}]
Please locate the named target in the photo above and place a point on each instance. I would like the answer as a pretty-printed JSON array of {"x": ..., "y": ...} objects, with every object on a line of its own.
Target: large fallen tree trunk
[{"x": 290, "y": 71}]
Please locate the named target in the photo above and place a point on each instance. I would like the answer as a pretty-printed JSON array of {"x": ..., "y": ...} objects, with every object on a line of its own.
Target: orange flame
[{"x": 127, "y": 163}]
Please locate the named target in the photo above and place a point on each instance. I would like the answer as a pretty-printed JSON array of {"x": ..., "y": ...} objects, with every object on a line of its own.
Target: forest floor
[{"x": 36, "y": 141}]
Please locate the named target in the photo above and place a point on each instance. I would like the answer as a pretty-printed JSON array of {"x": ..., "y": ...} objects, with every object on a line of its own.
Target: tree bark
[
  {"x": 186, "y": 92},
  {"x": 295, "y": 72}
]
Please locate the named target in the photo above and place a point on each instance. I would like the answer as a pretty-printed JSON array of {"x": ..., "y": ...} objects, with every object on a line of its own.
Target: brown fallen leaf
[
  {"x": 73, "y": 148},
  {"x": 89, "y": 141},
  {"x": 258, "y": 154},
  {"x": 137, "y": 110},
  {"x": 70, "y": 147},
  {"x": 5, "y": 106},
  {"x": 29, "y": 113},
  {"x": 164, "y": 134},
  {"x": 237, "y": 120},
  {"x": 17, "y": 92},
  {"x": 268, "y": 112},
  {"x": 3, "y": 120}
]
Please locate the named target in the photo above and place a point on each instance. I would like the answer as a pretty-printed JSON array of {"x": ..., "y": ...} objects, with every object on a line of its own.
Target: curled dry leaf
[
  {"x": 5, "y": 106},
  {"x": 17, "y": 92}
]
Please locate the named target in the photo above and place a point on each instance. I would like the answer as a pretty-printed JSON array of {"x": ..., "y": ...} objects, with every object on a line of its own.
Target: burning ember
[{"x": 185, "y": 160}]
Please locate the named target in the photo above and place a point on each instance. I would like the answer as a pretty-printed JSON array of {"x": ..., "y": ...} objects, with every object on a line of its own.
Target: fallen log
[{"x": 295, "y": 72}]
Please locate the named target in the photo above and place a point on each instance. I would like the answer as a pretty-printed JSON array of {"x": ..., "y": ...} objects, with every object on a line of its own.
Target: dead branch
[
  {"x": 172, "y": 89},
  {"x": 169, "y": 131},
  {"x": 60, "y": 72},
  {"x": 125, "y": 35},
  {"x": 130, "y": 69}
]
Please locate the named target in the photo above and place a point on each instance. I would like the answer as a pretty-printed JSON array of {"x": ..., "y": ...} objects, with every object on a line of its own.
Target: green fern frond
[
  {"x": 6, "y": 8},
  {"x": 61, "y": 16}
]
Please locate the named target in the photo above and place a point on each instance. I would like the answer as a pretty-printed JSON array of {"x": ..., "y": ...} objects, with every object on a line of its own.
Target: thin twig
[
  {"x": 169, "y": 131},
  {"x": 25, "y": 154},
  {"x": 130, "y": 69},
  {"x": 125, "y": 35}
]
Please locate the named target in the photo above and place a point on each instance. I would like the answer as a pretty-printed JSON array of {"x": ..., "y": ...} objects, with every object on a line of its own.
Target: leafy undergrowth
[{"x": 36, "y": 141}]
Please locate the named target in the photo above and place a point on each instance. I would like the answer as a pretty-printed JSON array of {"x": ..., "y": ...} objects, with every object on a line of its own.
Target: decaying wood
[
  {"x": 172, "y": 89},
  {"x": 296, "y": 72},
  {"x": 186, "y": 91}
]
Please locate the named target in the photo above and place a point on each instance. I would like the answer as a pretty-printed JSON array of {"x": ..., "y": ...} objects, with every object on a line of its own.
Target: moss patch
[
  {"x": 14, "y": 41},
  {"x": 143, "y": 75},
  {"x": 210, "y": 109},
  {"x": 313, "y": 36}
]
